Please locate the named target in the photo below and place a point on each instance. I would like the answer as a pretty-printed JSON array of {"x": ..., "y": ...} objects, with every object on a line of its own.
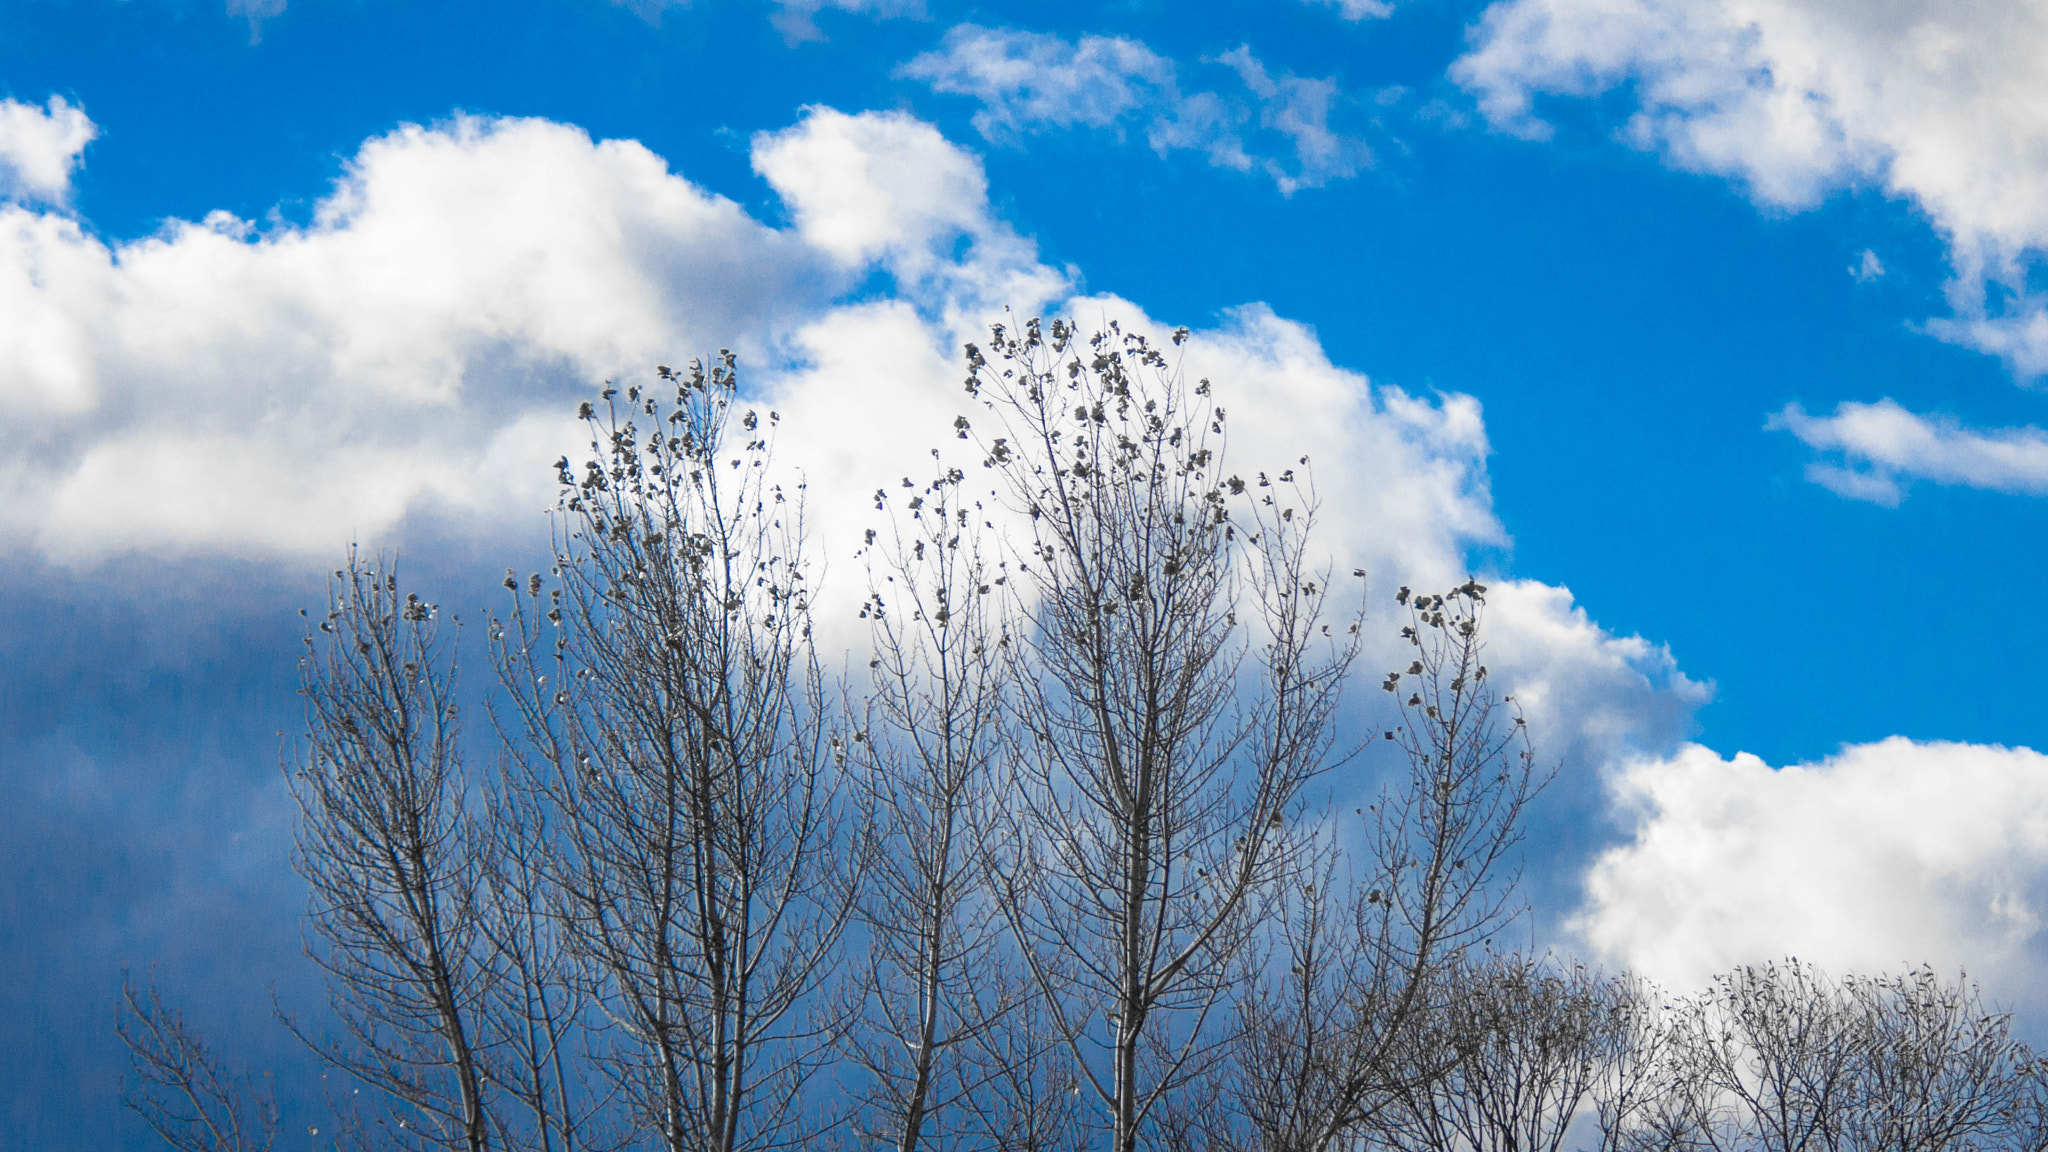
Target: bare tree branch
[
  {"x": 1153, "y": 803},
  {"x": 1521, "y": 1044},
  {"x": 1324, "y": 1048},
  {"x": 393, "y": 858},
  {"x": 186, "y": 1093},
  {"x": 929, "y": 987}
]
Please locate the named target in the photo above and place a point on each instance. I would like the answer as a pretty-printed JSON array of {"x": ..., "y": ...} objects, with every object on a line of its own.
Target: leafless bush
[
  {"x": 1936, "y": 1068},
  {"x": 1783, "y": 1057}
]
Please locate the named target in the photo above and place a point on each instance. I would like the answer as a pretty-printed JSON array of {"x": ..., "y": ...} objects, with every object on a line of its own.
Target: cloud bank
[
  {"x": 1933, "y": 101},
  {"x": 417, "y": 348},
  {"x": 1881, "y": 856},
  {"x": 412, "y": 354},
  {"x": 223, "y": 386}
]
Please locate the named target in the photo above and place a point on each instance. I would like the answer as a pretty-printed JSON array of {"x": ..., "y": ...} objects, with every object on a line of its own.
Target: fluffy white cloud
[
  {"x": 217, "y": 385},
  {"x": 1939, "y": 101},
  {"x": 1401, "y": 481},
  {"x": 417, "y": 347},
  {"x": 1884, "y": 855},
  {"x": 886, "y": 189},
  {"x": 39, "y": 147},
  {"x": 419, "y": 344},
  {"x": 1031, "y": 81},
  {"x": 1884, "y": 445},
  {"x": 1590, "y": 697}
]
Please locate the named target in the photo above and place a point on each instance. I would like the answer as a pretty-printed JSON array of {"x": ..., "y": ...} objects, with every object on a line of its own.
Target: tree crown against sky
[
  {"x": 1061, "y": 819},
  {"x": 1674, "y": 311},
  {"x": 1067, "y": 819}
]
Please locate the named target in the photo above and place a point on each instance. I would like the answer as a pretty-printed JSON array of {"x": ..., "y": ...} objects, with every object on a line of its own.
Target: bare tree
[
  {"x": 677, "y": 711},
  {"x": 392, "y": 859},
  {"x": 184, "y": 1091},
  {"x": 1155, "y": 783},
  {"x": 2027, "y": 1116},
  {"x": 1068, "y": 823},
  {"x": 929, "y": 988},
  {"x": 1326, "y": 1046},
  {"x": 1303, "y": 1034}
]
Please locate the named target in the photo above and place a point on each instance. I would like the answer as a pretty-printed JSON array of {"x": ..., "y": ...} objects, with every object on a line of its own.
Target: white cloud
[
  {"x": 220, "y": 386},
  {"x": 39, "y": 147},
  {"x": 418, "y": 345},
  {"x": 1590, "y": 697},
  {"x": 886, "y": 189},
  {"x": 1885, "y": 446},
  {"x": 1401, "y": 479},
  {"x": 1031, "y": 81},
  {"x": 1299, "y": 109},
  {"x": 1937, "y": 101},
  {"x": 415, "y": 350},
  {"x": 1883, "y": 855}
]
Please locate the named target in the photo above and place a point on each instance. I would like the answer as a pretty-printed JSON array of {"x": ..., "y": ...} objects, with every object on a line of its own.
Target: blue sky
[{"x": 1715, "y": 332}]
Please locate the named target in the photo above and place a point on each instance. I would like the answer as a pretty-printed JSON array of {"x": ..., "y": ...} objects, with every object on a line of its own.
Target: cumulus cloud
[
  {"x": 418, "y": 345},
  {"x": 1882, "y": 447},
  {"x": 886, "y": 189},
  {"x": 223, "y": 386},
  {"x": 1031, "y": 81},
  {"x": 408, "y": 356},
  {"x": 1591, "y": 698},
  {"x": 1401, "y": 480},
  {"x": 39, "y": 147},
  {"x": 416, "y": 348},
  {"x": 1881, "y": 856},
  {"x": 1937, "y": 102}
]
